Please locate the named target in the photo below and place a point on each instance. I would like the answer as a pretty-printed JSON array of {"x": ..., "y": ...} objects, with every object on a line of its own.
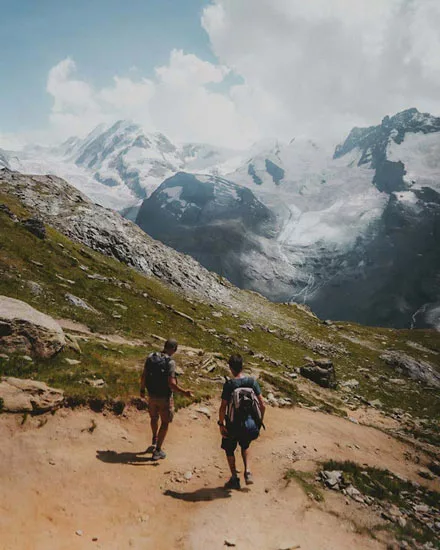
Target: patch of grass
[
  {"x": 306, "y": 481},
  {"x": 386, "y": 487}
]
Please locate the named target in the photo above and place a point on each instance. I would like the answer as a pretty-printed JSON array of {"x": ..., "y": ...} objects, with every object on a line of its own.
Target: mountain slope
[{"x": 210, "y": 218}]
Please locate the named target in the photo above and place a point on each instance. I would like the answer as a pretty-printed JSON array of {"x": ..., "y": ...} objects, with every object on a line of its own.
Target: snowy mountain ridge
[
  {"x": 119, "y": 165},
  {"x": 354, "y": 231}
]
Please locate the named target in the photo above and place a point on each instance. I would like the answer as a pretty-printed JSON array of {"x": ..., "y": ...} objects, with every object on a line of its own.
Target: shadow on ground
[
  {"x": 135, "y": 459},
  {"x": 200, "y": 495}
]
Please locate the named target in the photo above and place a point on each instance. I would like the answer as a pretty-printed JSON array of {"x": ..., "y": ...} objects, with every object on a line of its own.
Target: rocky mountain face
[
  {"x": 214, "y": 220},
  {"x": 392, "y": 277},
  {"x": 59, "y": 204}
]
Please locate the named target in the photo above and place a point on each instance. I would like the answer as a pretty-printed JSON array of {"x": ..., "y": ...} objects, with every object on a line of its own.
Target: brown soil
[{"x": 58, "y": 478}]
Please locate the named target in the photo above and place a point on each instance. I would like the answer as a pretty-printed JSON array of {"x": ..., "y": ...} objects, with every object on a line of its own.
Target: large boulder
[
  {"x": 25, "y": 330},
  {"x": 320, "y": 371},
  {"x": 413, "y": 368},
  {"x": 28, "y": 396}
]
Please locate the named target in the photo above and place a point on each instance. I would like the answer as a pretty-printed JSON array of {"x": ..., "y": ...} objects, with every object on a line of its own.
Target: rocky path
[{"x": 77, "y": 476}]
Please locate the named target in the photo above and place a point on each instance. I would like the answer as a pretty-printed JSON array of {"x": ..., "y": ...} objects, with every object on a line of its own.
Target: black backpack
[{"x": 156, "y": 372}]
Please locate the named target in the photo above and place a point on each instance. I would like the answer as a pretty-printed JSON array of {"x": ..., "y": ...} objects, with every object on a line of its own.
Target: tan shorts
[{"x": 162, "y": 407}]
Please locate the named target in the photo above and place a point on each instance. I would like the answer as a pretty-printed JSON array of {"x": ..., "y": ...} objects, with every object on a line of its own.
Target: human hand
[{"x": 223, "y": 431}]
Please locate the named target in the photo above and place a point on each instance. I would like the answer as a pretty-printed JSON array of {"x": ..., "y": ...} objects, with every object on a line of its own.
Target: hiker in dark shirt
[
  {"x": 240, "y": 418},
  {"x": 159, "y": 376}
]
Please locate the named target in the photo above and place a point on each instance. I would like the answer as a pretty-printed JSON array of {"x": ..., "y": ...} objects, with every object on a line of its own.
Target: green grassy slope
[{"x": 137, "y": 307}]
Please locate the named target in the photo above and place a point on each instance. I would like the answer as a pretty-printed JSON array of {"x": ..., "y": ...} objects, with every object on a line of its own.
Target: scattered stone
[
  {"x": 230, "y": 542},
  {"x": 35, "y": 226},
  {"x": 72, "y": 343},
  {"x": 332, "y": 479},
  {"x": 353, "y": 383},
  {"x": 72, "y": 362},
  {"x": 98, "y": 383},
  {"x": 38, "y": 264},
  {"x": 247, "y": 326},
  {"x": 188, "y": 475},
  {"x": 27, "y": 358},
  {"x": 20, "y": 395},
  {"x": 23, "y": 329},
  {"x": 414, "y": 369},
  {"x": 78, "y": 302},
  {"x": 376, "y": 403},
  {"x": 64, "y": 279},
  {"x": 353, "y": 493},
  {"x": 421, "y": 508},
  {"x": 97, "y": 277},
  {"x": 205, "y": 411},
  {"x": 116, "y": 316},
  {"x": 397, "y": 381},
  {"x": 4, "y": 356},
  {"x": 35, "y": 288},
  {"x": 426, "y": 474},
  {"x": 79, "y": 533},
  {"x": 6, "y": 210},
  {"x": 217, "y": 314},
  {"x": 272, "y": 400}
]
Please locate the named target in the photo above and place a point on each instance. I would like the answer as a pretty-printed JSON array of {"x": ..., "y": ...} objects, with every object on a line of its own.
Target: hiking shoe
[
  {"x": 233, "y": 483},
  {"x": 158, "y": 454},
  {"x": 248, "y": 478}
]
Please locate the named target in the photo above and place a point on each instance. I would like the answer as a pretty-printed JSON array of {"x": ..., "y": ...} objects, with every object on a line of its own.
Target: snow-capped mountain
[
  {"x": 120, "y": 165},
  {"x": 210, "y": 218},
  {"x": 354, "y": 232}
]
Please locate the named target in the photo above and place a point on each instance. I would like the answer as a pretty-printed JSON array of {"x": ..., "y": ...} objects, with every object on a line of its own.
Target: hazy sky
[{"x": 228, "y": 72}]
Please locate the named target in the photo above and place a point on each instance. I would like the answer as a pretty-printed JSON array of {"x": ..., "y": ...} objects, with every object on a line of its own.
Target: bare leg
[
  {"x": 162, "y": 434},
  {"x": 245, "y": 457},
  {"x": 231, "y": 463},
  {"x": 154, "y": 427}
]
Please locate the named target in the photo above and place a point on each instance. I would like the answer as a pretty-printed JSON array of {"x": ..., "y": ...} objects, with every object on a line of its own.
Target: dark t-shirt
[
  {"x": 234, "y": 383},
  {"x": 163, "y": 389}
]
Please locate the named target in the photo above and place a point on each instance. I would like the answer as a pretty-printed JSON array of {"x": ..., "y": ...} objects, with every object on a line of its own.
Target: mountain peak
[{"x": 392, "y": 127}]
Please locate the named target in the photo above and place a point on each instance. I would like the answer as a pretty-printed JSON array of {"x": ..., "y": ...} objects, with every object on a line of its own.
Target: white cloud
[
  {"x": 313, "y": 68},
  {"x": 322, "y": 66},
  {"x": 177, "y": 101}
]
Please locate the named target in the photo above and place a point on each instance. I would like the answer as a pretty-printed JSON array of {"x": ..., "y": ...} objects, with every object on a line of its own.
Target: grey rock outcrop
[
  {"x": 19, "y": 396},
  {"x": 320, "y": 371},
  {"x": 413, "y": 368},
  {"x": 35, "y": 226},
  {"x": 25, "y": 330},
  {"x": 59, "y": 204}
]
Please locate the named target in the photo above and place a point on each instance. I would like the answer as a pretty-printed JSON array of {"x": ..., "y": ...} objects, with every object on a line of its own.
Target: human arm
[
  {"x": 262, "y": 406},
  {"x": 174, "y": 387},
  {"x": 143, "y": 383},
  {"x": 222, "y": 416}
]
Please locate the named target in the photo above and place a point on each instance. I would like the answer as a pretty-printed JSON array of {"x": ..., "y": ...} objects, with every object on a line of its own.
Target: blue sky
[
  {"x": 104, "y": 37},
  {"x": 225, "y": 72}
]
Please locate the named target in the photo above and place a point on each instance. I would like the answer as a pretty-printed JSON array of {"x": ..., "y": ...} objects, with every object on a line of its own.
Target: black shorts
[{"x": 229, "y": 444}]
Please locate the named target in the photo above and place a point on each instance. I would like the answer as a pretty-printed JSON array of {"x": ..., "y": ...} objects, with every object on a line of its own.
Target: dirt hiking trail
[{"x": 75, "y": 476}]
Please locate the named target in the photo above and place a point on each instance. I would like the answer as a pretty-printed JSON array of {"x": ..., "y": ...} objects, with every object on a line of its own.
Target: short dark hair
[
  {"x": 236, "y": 363},
  {"x": 170, "y": 345}
]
